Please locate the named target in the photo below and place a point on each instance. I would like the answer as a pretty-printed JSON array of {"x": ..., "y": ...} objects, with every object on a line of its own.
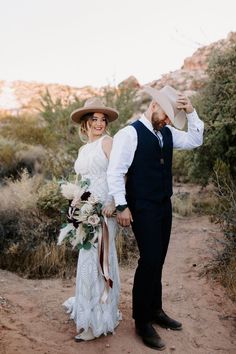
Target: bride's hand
[{"x": 108, "y": 211}]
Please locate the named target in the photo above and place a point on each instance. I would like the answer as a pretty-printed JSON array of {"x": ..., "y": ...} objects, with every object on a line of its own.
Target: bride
[{"x": 94, "y": 316}]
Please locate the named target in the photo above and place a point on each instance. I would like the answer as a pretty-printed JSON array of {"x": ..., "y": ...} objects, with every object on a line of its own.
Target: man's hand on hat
[{"x": 183, "y": 102}]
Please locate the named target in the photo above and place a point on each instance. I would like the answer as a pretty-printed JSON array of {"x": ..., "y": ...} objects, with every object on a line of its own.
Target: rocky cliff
[{"x": 192, "y": 75}]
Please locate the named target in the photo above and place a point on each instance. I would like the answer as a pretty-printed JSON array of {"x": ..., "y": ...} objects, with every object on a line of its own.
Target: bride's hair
[{"x": 83, "y": 127}]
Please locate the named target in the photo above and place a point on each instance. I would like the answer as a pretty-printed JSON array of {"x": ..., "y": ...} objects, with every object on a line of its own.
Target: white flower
[
  {"x": 94, "y": 220},
  {"x": 86, "y": 209},
  {"x": 93, "y": 199},
  {"x": 68, "y": 190}
]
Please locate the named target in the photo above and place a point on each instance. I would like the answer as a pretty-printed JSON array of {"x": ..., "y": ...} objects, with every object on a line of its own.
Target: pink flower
[{"x": 94, "y": 220}]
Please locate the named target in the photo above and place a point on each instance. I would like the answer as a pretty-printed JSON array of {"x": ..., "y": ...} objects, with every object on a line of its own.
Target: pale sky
[{"x": 96, "y": 42}]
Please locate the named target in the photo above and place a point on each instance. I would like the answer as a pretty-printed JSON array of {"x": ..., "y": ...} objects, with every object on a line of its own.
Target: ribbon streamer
[{"x": 103, "y": 255}]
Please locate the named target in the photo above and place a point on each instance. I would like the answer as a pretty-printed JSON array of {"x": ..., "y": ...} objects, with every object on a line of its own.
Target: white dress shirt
[{"x": 125, "y": 144}]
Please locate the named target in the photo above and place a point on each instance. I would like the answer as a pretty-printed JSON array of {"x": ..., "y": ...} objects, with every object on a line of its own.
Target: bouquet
[{"x": 84, "y": 217}]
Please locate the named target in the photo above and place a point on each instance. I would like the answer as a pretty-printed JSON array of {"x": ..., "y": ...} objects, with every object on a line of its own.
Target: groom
[{"x": 143, "y": 152}]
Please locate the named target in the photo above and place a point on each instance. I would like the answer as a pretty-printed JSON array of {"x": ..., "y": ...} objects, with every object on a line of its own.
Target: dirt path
[{"x": 32, "y": 319}]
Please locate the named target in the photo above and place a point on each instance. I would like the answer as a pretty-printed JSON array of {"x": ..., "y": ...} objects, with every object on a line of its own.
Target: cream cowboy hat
[
  {"x": 92, "y": 105},
  {"x": 166, "y": 98}
]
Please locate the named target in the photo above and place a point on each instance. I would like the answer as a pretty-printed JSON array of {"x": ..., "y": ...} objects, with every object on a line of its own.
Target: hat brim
[
  {"x": 79, "y": 113},
  {"x": 179, "y": 119}
]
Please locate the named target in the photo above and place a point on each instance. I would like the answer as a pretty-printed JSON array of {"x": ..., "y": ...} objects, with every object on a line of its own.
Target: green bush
[
  {"x": 57, "y": 115},
  {"x": 180, "y": 166},
  {"x": 50, "y": 199},
  {"x": 28, "y": 130},
  {"x": 123, "y": 99},
  {"x": 216, "y": 105}
]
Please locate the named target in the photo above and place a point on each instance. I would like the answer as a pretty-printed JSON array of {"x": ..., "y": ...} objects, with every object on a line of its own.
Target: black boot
[
  {"x": 149, "y": 336},
  {"x": 163, "y": 320}
]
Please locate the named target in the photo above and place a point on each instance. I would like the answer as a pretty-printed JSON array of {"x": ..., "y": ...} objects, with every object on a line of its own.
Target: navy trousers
[{"x": 152, "y": 228}]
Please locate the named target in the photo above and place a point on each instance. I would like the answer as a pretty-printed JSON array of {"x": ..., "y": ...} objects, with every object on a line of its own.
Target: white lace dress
[{"x": 92, "y": 317}]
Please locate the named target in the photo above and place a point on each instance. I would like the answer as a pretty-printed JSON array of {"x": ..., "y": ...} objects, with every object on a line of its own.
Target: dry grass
[
  {"x": 20, "y": 194},
  {"x": 227, "y": 276},
  {"x": 190, "y": 198},
  {"x": 29, "y": 235},
  {"x": 46, "y": 260},
  {"x": 182, "y": 204},
  {"x": 127, "y": 250}
]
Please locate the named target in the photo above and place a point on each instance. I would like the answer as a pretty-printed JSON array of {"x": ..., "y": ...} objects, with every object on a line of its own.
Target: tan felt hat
[
  {"x": 166, "y": 98},
  {"x": 94, "y": 105}
]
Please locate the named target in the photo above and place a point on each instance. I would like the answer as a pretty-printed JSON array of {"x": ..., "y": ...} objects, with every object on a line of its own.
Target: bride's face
[{"x": 97, "y": 125}]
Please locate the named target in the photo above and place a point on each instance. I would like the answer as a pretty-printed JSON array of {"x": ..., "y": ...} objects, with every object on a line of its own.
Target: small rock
[
  {"x": 107, "y": 345},
  {"x": 172, "y": 348}
]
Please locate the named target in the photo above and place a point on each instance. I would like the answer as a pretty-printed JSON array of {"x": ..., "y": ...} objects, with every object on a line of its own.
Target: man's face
[{"x": 159, "y": 117}]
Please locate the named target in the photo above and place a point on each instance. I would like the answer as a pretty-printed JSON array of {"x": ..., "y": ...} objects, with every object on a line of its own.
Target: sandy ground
[{"x": 32, "y": 319}]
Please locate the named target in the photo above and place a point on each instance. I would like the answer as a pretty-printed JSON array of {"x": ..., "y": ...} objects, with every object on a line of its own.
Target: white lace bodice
[{"x": 92, "y": 164}]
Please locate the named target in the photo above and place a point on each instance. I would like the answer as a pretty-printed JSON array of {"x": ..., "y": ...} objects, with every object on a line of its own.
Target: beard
[{"x": 157, "y": 123}]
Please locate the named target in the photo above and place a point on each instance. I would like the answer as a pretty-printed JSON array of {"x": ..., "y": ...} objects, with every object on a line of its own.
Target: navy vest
[{"x": 148, "y": 178}]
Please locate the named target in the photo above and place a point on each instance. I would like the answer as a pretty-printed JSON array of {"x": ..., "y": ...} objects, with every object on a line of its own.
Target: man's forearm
[{"x": 116, "y": 185}]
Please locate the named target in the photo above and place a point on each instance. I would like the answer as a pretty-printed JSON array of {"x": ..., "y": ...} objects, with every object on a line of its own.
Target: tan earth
[{"x": 33, "y": 320}]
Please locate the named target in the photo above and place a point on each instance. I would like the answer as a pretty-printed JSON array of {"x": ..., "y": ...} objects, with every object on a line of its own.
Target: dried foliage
[
  {"x": 28, "y": 130},
  {"x": 29, "y": 228},
  {"x": 182, "y": 204},
  {"x": 127, "y": 250},
  {"x": 224, "y": 263}
]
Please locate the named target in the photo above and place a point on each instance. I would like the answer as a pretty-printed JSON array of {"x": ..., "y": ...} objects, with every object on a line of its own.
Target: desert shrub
[
  {"x": 57, "y": 112},
  {"x": 8, "y": 159},
  {"x": 124, "y": 100},
  {"x": 225, "y": 214},
  {"x": 16, "y": 156},
  {"x": 216, "y": 105},
  {"x": 29, "y": 229},
  {"x": 182, "y": 203},
  {"x": 204, "y": 201},
  {"x": 57, "y": 115},
  {"x": 50, "y": 199},
  {"x": 58, "y": 163},
  {"x": 28, "y": 130},
  {"x": 180, "y": 166}
]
